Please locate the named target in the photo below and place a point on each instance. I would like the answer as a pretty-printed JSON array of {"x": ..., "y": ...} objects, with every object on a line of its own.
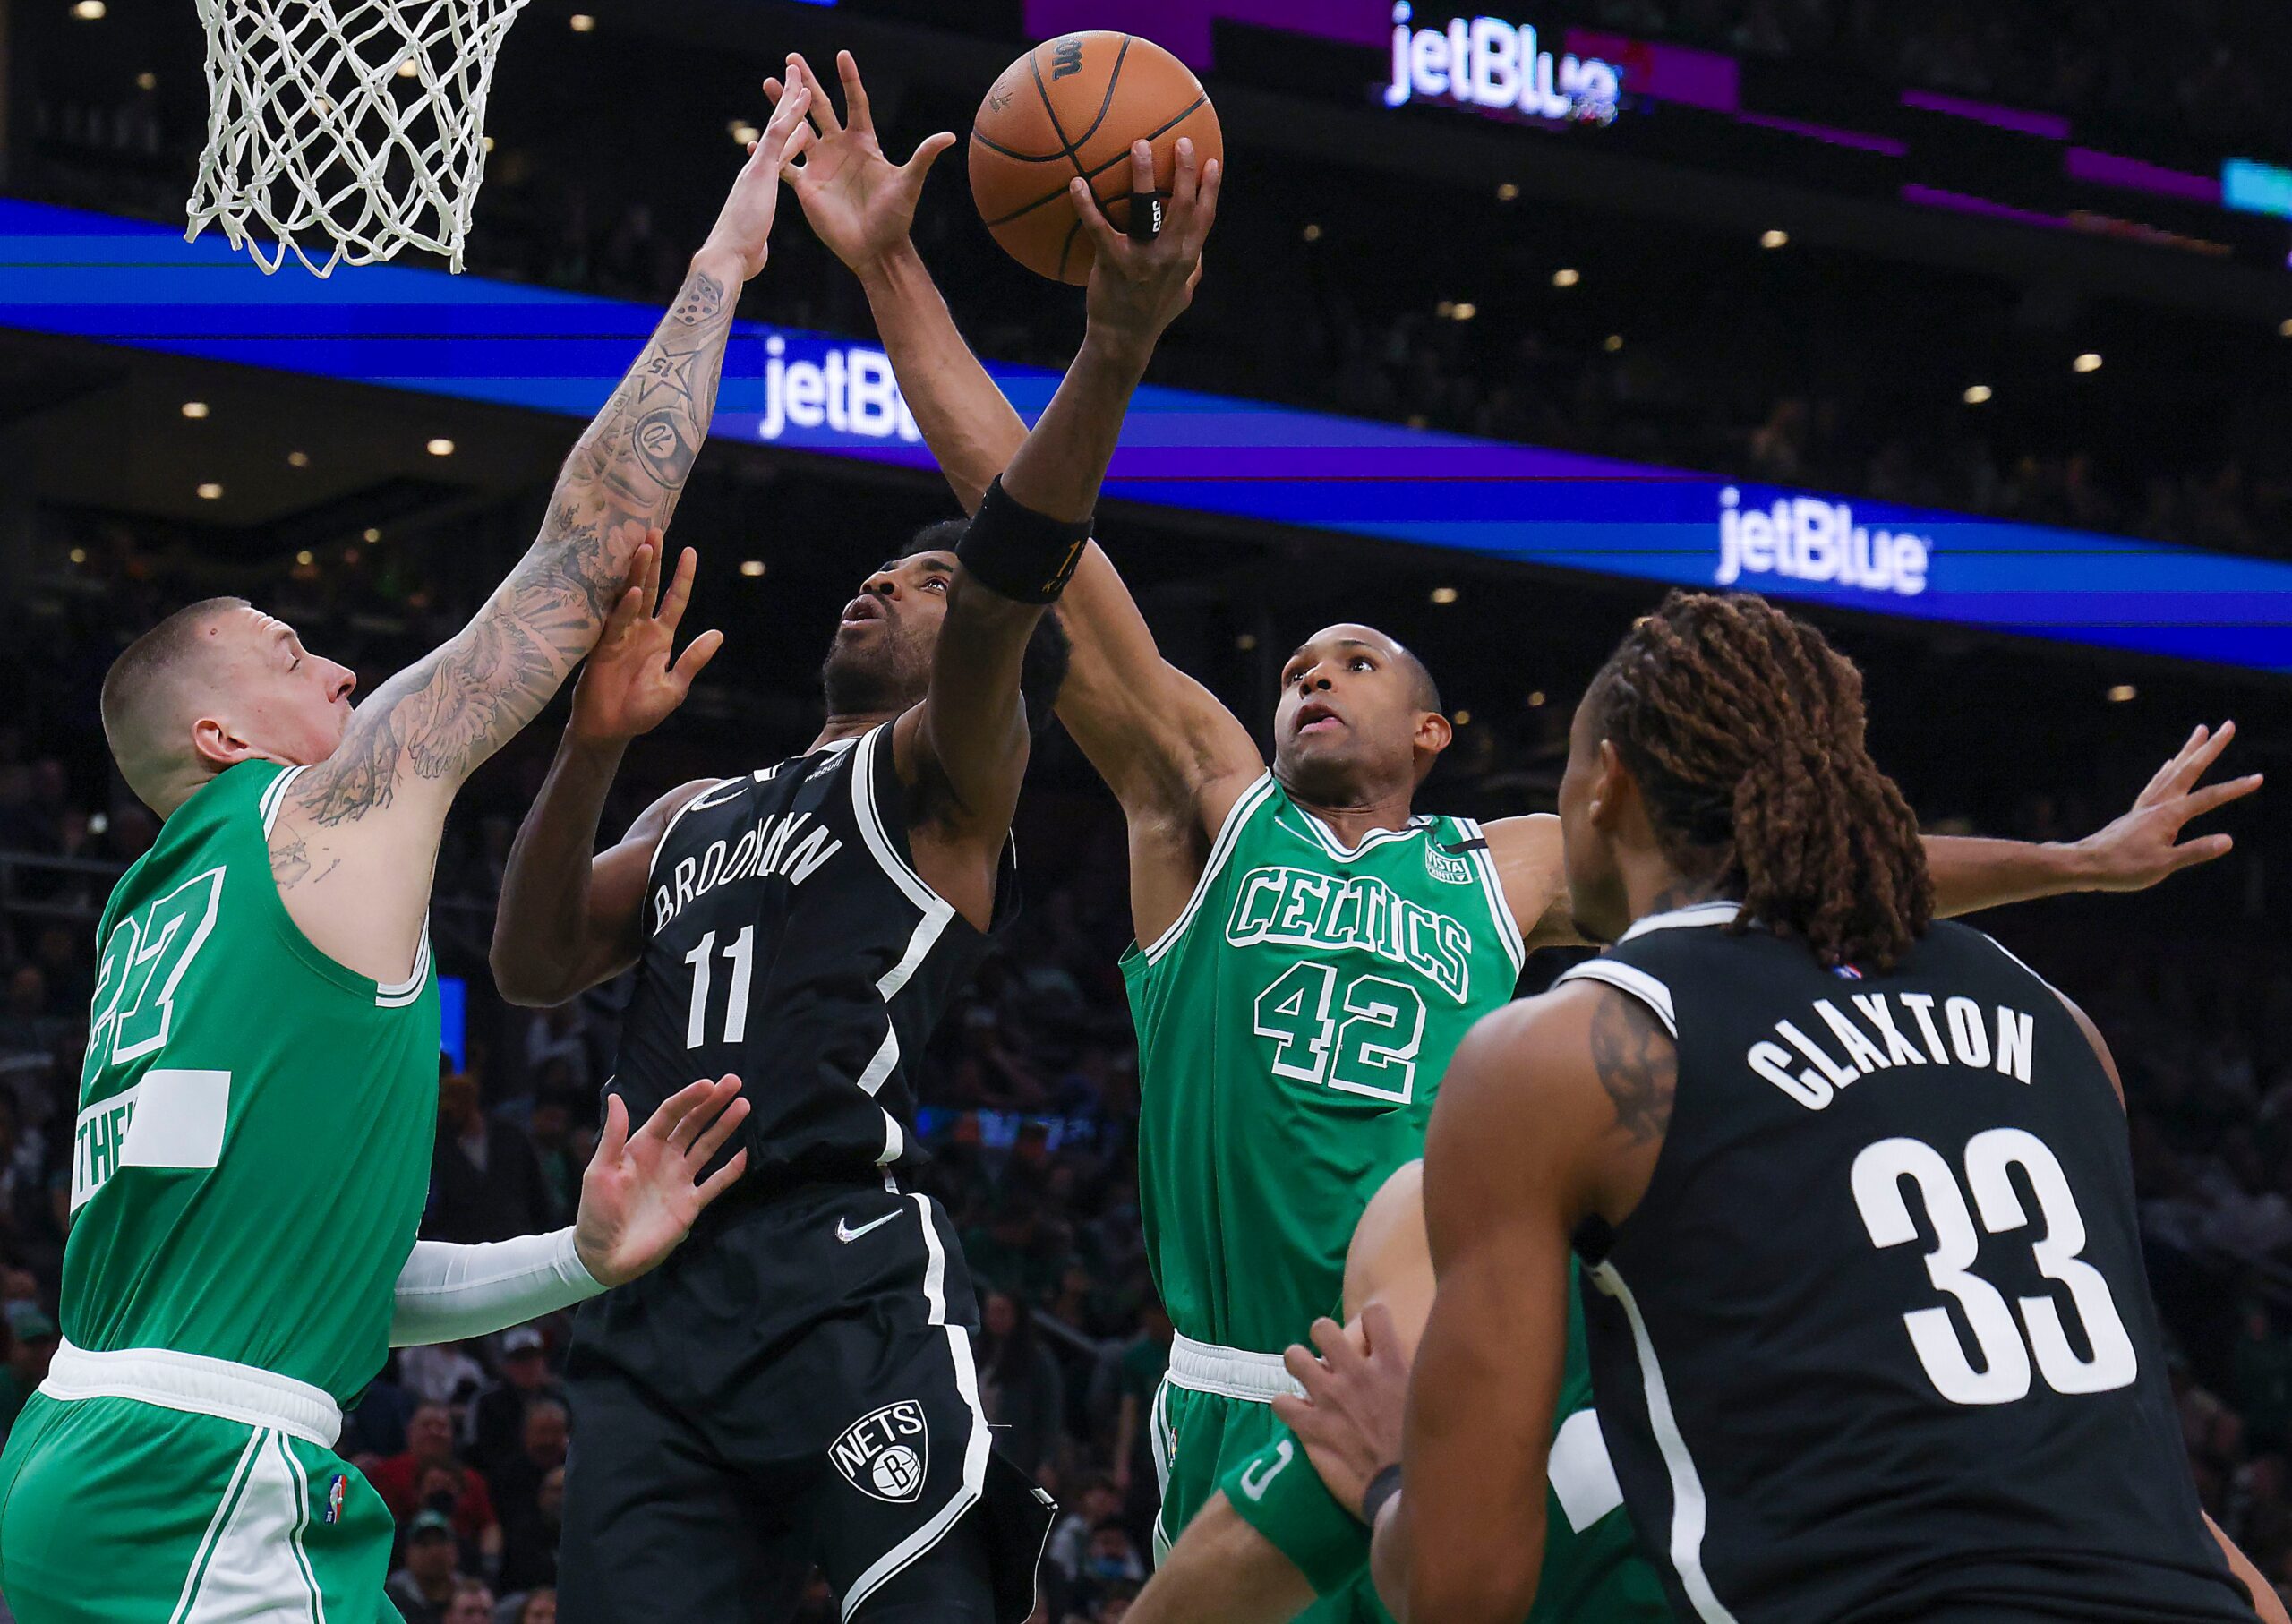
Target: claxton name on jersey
[
  {"x": 1299, "y": 908},
  {"x": 1895, "y": 1029},
  {"x": 778, "y": 844}
]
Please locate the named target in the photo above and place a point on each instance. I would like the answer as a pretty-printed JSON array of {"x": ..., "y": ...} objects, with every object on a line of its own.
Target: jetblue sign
[
  {"x": 124, "y": 282},
  {"x": 1486, "y": 62}
]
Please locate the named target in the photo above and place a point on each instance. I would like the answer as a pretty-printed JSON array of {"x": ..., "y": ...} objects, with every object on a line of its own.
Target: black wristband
[
  {"x": 1023, "y": 555},
  {"x": 1381, "y": 1488}
]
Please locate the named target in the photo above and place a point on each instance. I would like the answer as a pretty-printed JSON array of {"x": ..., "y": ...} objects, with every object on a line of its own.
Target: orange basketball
[{"x": 1070, "y": 106}]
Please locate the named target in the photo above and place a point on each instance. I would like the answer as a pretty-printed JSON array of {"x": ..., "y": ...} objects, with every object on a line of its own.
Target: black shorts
[{"x": 794, "y": 1386}]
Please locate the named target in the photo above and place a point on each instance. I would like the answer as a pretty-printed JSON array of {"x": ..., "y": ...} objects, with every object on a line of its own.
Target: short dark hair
[{"x": 1428, "y": 692}]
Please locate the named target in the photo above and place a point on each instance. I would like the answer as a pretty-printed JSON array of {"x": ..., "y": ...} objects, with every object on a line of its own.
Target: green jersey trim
[
  {"x": 1221, "y": 850},
  {"x": 1508, "y": 928}
]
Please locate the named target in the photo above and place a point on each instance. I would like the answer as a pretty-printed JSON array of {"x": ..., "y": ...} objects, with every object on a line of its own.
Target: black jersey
[
  {"x": 788, "y": 938},
  {"x": 1877, "y": 1344}
]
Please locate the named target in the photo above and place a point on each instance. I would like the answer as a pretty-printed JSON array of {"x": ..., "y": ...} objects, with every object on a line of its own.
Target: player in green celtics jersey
[
  {"x": 259, "y": 1100},
  {"x": 1310, "y": 948}
]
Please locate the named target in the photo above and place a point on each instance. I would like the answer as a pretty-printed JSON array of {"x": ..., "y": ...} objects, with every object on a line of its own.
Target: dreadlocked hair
[{"x": 1744, "y": 728}]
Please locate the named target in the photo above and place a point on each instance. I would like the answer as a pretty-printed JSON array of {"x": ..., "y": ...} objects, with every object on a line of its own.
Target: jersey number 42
[{"x": 1372, "y": 1049}]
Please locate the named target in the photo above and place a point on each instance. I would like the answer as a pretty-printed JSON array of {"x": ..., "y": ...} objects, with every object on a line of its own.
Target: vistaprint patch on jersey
[
  {"x": 1441, "y": 866},
  {"x": 886, "y": 1453}
]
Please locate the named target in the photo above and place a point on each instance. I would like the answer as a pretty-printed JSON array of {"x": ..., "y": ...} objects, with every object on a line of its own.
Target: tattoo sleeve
[
  {"x": 1638, "y": 1065},
  {"x": 442, "y": 717}
]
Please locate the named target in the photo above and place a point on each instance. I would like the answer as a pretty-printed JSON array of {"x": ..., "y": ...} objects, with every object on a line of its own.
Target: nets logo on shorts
[{"x": 885, "y": 1453}]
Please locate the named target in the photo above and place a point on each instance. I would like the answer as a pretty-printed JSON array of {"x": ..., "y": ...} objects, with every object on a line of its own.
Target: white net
[{"x": 346, "y": 129}]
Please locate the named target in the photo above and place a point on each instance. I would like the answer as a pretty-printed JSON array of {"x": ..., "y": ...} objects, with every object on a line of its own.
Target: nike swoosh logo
[
  {"x": 846, "y": 1233},
  {"x": 1461, "y": 847}
]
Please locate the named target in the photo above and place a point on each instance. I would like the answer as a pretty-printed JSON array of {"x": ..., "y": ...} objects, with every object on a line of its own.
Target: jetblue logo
[
  {"x": 1486, "y": 62},
  {"x": 1804, "y": 538},
  {"x": 850, "y": 390}
]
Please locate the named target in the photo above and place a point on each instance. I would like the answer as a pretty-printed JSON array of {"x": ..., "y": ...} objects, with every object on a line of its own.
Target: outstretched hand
[
  {"x": 629, "y": 686},
  {"x": 640, "y": 1197},
  {"x": 743, "y": 228},
  {"x": 858, "y": 202},
  {"x": 2144, "y": 846},
  {"x": 1139, "y": 285},
  {"x": 1356, "y": 1394}
]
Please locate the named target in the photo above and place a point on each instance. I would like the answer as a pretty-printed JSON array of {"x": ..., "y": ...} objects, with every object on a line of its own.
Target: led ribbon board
[{"x": 90, "y": 276}]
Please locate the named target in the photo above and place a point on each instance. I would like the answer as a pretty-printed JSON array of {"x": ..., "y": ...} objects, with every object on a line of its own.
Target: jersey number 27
[{"x": 1878, "y": 1174}]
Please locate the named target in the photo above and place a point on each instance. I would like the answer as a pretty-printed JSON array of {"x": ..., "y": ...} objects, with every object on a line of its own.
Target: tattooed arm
[{"x": 356, "y": 839}]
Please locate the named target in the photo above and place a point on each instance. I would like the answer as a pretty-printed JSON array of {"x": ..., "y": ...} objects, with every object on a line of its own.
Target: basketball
[{"x": 1073, "y": 105}]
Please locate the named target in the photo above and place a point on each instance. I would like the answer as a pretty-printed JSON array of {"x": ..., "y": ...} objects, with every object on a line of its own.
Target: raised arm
[
  {"x": 965, "y": 745},
  {"x": 2131, "y": 853},
  {"x": 568, "y": 919},
  {"x": 1175, "y": 757},
  {"x": 365, "y": 822}
]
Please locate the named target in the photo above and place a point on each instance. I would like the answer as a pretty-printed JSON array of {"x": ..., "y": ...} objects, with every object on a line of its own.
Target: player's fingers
[
  {"x": 697, "y": 656},
  {"x": 1195, "y": 229},
  {"x": 1340, "y": 1350},
  {"x": 625, "y": 610},
  {"x": 2190, "y": 853},
  {"x": 1093, "y": 218},
  {"x": 823, "y": 110},
  {"x": 1377, "y": 1329},
  {"x": 1304, "y": 1369},
  {"x": 710, "y": 1098},
  {"x": 723, "y": 1178},
  {"x": 2214, "y": 796},
  {"x": 655, "y": 546},
  {"x": 662, "y": 1124},
  {"x": 1141, "y": 171},
  {"x": 772, "y": 88},
  {"x": 856, "y": 114},
  {"x": 787, "y": 117},
  {"x": 728, "y": 1120},
  {"x": 799, "y": 141},
  {"x": 2161, "y": 783},
  {"x": 612, "y": 1139},
  {"x": 927, "y": 154},
  {"x": 2201, "y": 759},
  {"x": 1185, "y": 182},
  {"x": 680, "y": 591},
  {"x": 1290, "y": 1410}
]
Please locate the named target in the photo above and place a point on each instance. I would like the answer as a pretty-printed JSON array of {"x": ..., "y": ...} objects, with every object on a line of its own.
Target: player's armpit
[{"x": 2266, "y": 1603}]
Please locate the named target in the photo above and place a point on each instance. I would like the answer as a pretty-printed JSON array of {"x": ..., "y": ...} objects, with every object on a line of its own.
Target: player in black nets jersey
[
  {"x": 800, "y": 1388},
  {"x": 1871, "y": 1338}
]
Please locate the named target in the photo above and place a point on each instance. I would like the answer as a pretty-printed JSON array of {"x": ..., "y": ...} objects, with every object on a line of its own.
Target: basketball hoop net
[{"x": 346, "y": 129}]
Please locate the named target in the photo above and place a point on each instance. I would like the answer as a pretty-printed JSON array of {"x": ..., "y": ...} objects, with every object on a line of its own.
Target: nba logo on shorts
[
  {"x": 337, "y": 1487},
  {"x": 886, "y": 1452}
]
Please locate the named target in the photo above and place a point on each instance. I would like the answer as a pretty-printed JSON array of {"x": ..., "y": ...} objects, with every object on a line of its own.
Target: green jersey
[
  {"x": 252, "y": 1146},
  {"x": 1293, "y": 1026}
]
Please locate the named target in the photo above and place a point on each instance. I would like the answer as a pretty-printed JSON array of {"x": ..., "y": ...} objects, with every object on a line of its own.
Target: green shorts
[
  {"x": 116, "y": 1511},
  {"x": 1221, "y": 1442}
]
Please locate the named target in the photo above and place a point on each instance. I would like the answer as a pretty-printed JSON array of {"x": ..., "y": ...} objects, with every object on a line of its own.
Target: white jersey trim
[
  {"x": 1629, "y": 978},
  {"x": 1230, "y": 1373},
  {"x": 1221, "y": 850},
  {"x": 1508, "y": 928},
  {"x": 871, "y": 826},
  {"x": 274, "y": 796},
  {"x": 677, "y": 816},
  {"x": 215, "y": 1524},
  {"x": 400, "y": 994},
  {"x": 1690, "y": 1512},
  {"x": 1720, "y": 912},
  {"x": 197, "y": 1385},
  {"x": 1326, "y": 837},
  {"x": 901, "y": 1555}
]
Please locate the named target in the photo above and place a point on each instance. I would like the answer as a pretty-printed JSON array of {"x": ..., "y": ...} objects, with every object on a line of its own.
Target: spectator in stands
[
  {"x": 497, "y": 1428},
  {"x": 447, "y": 1373},
  {"x": 2260, "y": 1382},
  {"x": 560, "y": 1036},
  {"x": 1019, "y": 1386},
  {"x": 376, "y": 1426},
  {"x": 424, "y": 1588},
  {"x": 427, "y": 1477},
  {"x": 473, "y": 1603},
  {"x": 541, "y": 1450},
  {"x": 1070, "y": 1542},
  {"x": 537, "y": 1606},
  {"x": 485, "y": 1184},
  {"x": 550, "y": 1128}
]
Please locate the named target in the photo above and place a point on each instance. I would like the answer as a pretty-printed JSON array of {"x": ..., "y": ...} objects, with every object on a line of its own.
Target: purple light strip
[
  {"x": 1667, "y": 72},
  {"x": 1836, "y": 137},
  {"x": 2110, "y": 169},
  {"x": 1933, "y": 197},
  {"x": 2050, "y": 125}
]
